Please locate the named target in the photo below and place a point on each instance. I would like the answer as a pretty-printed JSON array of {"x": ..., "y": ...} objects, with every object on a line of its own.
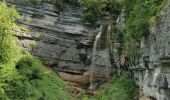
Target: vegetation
[
  {"x": 120, "y": 88},
  {"x": 94, "y": 9},
  {"x": 7, "y": 23},
  {"x": 33, "y": 81},
  {"x": 22, "y": 75},
  {"x": 139, "y": 15}
]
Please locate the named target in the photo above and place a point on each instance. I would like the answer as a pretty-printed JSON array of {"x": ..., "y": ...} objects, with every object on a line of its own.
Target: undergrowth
[
  {"x": 122, "y": 88},
  {"x": 119, "y": 88},
  {"x": 22, "y": 76}
]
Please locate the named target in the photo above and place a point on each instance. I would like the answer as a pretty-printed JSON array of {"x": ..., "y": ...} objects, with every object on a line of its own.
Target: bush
[
  {"x": 34, "y": 82},
  {"x": 8, "y": 17},
  {"x": 21, "y": 74},
  {"x": 59, "y": 4},
  {"x": 3, "y": 96},
  {"x": 20, "y": 90},
  {"x": 29, "y": 67},
  {"x": 122, "y": 88},
  {"x": 89, "y": 17},
  {"x": 7, "y": 48},
  {"x": 140, "y": 15},
  {"x": 95, "y": 9}
]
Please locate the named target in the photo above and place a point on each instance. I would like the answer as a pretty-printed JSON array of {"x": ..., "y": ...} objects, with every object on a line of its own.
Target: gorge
[{"x": 95, "y": 56}]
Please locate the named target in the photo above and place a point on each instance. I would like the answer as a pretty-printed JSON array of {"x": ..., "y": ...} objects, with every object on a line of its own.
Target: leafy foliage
[
  {"x": 21, "y": 72},
  {"x": 94, "y": 9},
  {"x": 139, "y": 16},
  {"x": 59, "y": 4},
  {"x": 121, "y": 89},
  {"x": 35, "y": 81},
  {"x": 29, "y": 67},
  {"x": 7, "y": 23},
  {"x": 28, "y": 78}
]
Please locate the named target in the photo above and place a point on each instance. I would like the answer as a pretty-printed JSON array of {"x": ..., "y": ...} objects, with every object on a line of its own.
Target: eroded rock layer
[{"x": 58, "y": 37}]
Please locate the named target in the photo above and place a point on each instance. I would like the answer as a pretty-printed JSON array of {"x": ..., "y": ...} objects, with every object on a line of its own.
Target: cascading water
[
  {"x": 108, "y": 45},
  {"x": 92, "y": 84},
  {"x": 105, "y": 53}
]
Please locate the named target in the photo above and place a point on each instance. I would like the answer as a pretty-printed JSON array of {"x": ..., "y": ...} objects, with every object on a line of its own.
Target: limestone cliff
[
  {"x": 153, "y": 74},
  {"x": 59, "y": 38}
]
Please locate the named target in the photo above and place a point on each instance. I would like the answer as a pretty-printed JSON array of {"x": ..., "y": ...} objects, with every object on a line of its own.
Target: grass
[
  {"x": 51, "y": 87},
  {"x": 28, "y": 79},
  {"x": 122, "y": 88}
]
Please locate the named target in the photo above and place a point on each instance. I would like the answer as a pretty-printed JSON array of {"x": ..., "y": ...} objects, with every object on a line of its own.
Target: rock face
[
  {"x": 58, "y": 37},
  {"x": 153, "y": 74}
]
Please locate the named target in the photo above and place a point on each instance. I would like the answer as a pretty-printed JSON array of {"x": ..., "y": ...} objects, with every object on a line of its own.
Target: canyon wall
[
  {"x": 59, "y": 38},
  {"x": 153, "y": 73}
]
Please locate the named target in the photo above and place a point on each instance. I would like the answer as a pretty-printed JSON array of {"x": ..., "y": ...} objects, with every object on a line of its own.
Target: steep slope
[{"x": 23, "y": 77}]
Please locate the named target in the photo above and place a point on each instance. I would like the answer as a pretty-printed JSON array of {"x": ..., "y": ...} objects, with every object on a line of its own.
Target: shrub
[
  {"x": 7, "y": 48},
  {"x": 95, "y": 9},
  {"x": 140, "y": 15},
  {"x": 29, "y": 67},
  {"x": 122, "y": 88},
  {"x": 3, "y": 96},
  {"x": 59, "y": 4},
  {"x": 89, "y": 17},
  {"x": 8, "y": 17},
  {"x": 20, "y": 71}
]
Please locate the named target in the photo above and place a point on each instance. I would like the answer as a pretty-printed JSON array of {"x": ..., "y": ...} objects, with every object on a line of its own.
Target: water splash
[{"x": 92, "y": 84}]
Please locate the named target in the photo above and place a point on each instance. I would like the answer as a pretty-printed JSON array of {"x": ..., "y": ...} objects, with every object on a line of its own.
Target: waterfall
[
  {"x": 108, "y": 45},
  {"x": 105, "y": 54},
  {"x": 92, "y": 68}
]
